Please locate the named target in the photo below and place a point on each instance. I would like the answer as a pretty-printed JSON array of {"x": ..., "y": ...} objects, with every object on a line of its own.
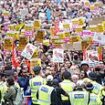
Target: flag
[
  {"x": 15, "y": 61},
  {"x": 56, "y": 26}
]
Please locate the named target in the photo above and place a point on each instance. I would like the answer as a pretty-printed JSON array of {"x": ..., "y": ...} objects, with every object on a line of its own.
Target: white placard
[
  {"x": 28, "y": 51},
  {"x": 58, "y": 55}
]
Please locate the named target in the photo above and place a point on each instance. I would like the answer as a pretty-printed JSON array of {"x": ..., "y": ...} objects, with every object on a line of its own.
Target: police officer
[
  {"x": 35, "y": 83},
  {"x": 50, "y": 94},
  {"x": 45, "y": 91},
  {"x": 67, "y": 86},
  {"x": 97, "y": 87},
  {"x": 102, "y": 94},
  {"x": 79, "y": 96},
  {"x": 93, "y": 98}
]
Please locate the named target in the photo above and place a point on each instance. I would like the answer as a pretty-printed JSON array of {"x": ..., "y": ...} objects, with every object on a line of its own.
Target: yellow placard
[
  {"x": 93, "y": 28},
  {"x": 81, "y": 21},
  {"x": 100, "y": 28},
  {"x": 36, "y": 54},
  {"x": 103, "y": 24},
  {"x": 61, "y": 35},
  {"x": 67, "y": 34},
  {"x": 75, "y": 39},
  {"x": 85, "y": 44},
  {"x": 8, "y": 42},
  {"x": 66, "y": 26},
  {"x": 46, "y": 42},
  {"x": 79, "y": 29},
  {"x": 22, "y": 43},
  {"x": 19, "y": 26},
  {"x": 37, "y": 24},
  {"x": 40, "y": 35}
]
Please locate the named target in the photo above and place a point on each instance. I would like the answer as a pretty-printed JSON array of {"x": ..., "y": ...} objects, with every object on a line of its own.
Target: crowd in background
[{"x": 73, "y": 67}]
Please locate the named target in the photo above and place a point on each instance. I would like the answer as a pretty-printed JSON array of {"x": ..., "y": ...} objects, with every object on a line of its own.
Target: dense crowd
[{"x": 49, "y": 83}]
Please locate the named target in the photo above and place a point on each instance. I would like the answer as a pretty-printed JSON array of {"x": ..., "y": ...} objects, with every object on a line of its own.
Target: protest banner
[
  {"x": 58, "y": 55},
  {"x": 28, "y": 51}
]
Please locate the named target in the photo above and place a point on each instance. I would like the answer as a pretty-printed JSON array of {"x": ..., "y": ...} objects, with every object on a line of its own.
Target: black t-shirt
[{"x": 56, "y": 96}]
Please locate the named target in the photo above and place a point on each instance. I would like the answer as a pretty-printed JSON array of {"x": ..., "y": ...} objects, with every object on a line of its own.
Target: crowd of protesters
[{"x": 74, "y": 68}]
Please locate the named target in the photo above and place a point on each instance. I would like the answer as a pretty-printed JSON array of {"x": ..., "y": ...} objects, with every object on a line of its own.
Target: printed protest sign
[
  {"x": 28, "y": 51},
  {"x": 8, "y": 42},
  {"x": 58, "y": 55}
]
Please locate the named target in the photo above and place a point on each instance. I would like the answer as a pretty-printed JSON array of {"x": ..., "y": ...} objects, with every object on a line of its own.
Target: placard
[
  {"x": 28, "y": 51},
  {"x": 58, "y": 55}
]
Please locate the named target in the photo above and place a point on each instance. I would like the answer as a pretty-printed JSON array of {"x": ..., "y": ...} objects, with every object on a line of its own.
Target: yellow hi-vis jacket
[
  {"x": 67, "y": 86},
  {"x": 35, "y": 83},
  {"x": 45, "y": 95},
  {"x": 79, "y": 97}
]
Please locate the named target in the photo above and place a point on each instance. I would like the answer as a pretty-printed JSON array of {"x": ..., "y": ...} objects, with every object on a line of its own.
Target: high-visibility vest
[
  {"x": 79, "y": 98},
  {"x": 3, "y": 89},
  {"x": 94, "y": 99},
  {"x": 67, "y": 86},
  {"x": 97, "y": 87},
  {"x": 35, "y": 83},
  {"x": 45, "y": 95}
]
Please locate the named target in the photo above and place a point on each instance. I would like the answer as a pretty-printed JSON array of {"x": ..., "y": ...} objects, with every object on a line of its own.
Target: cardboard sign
[
  {"x": 28, "y": 51},
  {"x": 8, "y": 42},
  {"x": 58, "y": 55}
]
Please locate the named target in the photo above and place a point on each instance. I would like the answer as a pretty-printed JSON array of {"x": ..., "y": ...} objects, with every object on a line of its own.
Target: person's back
[
  {"x": 35, "y": 83},
  {"x": 56, "y": 94},
  {"x": 79, "y": 97},
  {"x": 67, "y": 86},
  {"x": 93, "y": 98},
  {"x": 10, "y": 94},
  {"x": 45, "y": 92}
]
